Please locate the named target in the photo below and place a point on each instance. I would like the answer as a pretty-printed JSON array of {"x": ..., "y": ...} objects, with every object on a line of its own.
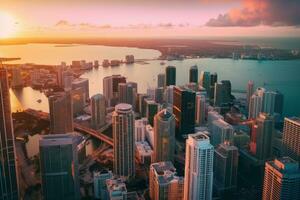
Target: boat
[{"x": 39, "y": 101}]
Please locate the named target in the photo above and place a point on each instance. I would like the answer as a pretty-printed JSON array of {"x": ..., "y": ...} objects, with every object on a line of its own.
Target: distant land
[{"x": 176, "y": 49}]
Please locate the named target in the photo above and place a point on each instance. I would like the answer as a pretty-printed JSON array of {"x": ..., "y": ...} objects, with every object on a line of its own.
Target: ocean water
[{"x": 276, "y": 75}]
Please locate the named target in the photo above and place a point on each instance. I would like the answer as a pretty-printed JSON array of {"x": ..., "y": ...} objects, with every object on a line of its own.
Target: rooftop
[{"x": 123, "y": 107}]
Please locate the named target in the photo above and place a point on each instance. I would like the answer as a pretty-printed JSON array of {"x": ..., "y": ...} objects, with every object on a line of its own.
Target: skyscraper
[
  {"x": 221, "y": 132},
  {"x": 213, "y": 81},
  {"x": 161, "y": 80},
  {"x": 123, "y": 136},
  {"x": 220, "y": 95},
  {"x": 269, "y": 98},
  {"x": 200, "y": 109},
  {"x": 256, "y": 103},
  {"x": 84, "y": 84},
  {"x": 282, "y": 180},
  {"x": 98, "y": 107},
  {"x": 194, "y": 74},
  {"x": 250, "y": 91},
  {"x": 291, "y": 137},
  {"x": 17, "y": 80},
  {"x": 225, "y": 168},
  {"x": 151, "y": 109},
  {"x": 184, "y": 110},
  {"x": 262, "y": 137},
  {"x": 164, "y": 136},
  {"x": 110, "y": 88},
  {"x": 164, "y": 184},
  {"x": 61, "y": 112},
  {"x": 8, "y": 171},
  {"x": 205, "y": 81},
  {"x": 198, "y": 179},
  {"x": 128, "y": 93},
  {"x": 169, "y": 95},
  {"x": 59, "y": 167},
  {"x": 170, "y": 75}
]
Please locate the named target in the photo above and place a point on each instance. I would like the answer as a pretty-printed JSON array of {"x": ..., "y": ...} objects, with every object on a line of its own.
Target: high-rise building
[
  {"x": 67, "y": 79},
  {"x": 140, "y": 129},
  {"x": 98, "y": 108},
  {"x": 59, "y": 167},
  {"x": 164, "y": 184},
  {"x": 194, "y": 74},
  {"x": 128, "y": 93},
  {"x": 200, "y": 109},
  {"x": 213, "y": 81},
  {"x": 100, "y": 183},
  {"x": 161, "y": 80},
  {"x": 84, "y": 84},
  {"x": 141, "y": 104},
  {"x": 269, "y": 98},
  {"x": 164, "y": 136},
  {"x": 184, "y": 110},
  {"x": 256, "y": 103},
  {"x": 282, "y": 180},
  {"x": 291, "y": 137},
  {"x": 159, "y": 95},
  {"x": 227, "y": 87},
  {"x": 151, "y": 109},
  {"x": 205, "y": 81},
  {"x": 78, "y": 101},
  {"x": 169, "y": 95},
  {"x": 250, "y": 91},
  {"x": 110, "y": 88},
  {"x": 170, "y": 75},
  {"x": 123, "y": 137},
  {"x": 225, "y": 168},
  {"x": 17, "y": 80},
  {"x": 61, "y": 112},
  {"x": 8, "y": 170},
  {"x": 198, "y": 179},
  {"x": 221, "y": 132},
  {"x": 219, "y": 95},
  {"x": 262, "y": 137}
]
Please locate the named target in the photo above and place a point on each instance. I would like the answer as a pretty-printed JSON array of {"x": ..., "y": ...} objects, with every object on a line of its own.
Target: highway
[{"x": 77, "y": 127}]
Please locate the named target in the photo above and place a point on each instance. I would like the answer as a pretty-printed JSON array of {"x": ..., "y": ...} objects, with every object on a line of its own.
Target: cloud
[
  {"x": 82, "y": 26},
  {"x": 260, "y": 12}
]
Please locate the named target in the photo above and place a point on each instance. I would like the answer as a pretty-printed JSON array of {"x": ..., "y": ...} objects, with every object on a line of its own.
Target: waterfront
[{"x": 276, "y": 75}]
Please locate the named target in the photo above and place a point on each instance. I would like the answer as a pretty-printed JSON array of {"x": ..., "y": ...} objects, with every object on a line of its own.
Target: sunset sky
[{"x": 146, "y": 18}]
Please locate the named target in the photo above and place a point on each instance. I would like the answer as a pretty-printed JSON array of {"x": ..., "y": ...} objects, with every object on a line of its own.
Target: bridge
[{"x": 77, "y": 127}]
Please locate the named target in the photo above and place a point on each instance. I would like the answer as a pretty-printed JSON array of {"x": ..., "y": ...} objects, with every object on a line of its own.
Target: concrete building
[
  {"x": 282, "y": 179},
  {"x": 291, "y": 137},
  {"x": 98, "y": 108},
  {"x": 143, "y": 152},
  {"x": 225, "y": 168},
  {"x": 9, "y": 189},
  {"x": 123, "y": 137},
  {"x": 61, "y": 112},
  {"x": 198, "y": 180},
  {"x": 59, "y": 167},
  {"x": 140, "y": 129},
  {"x": 116, "y": 189},
  {"x": 164, "y": 136},
  {"x": 100, "y": 177},
  {"x": 170, "y": 75},
  {"x": 164, "y": 184}
]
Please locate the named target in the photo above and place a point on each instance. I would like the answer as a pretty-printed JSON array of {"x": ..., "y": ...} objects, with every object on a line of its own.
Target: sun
[{"x": 7, "y": 25}]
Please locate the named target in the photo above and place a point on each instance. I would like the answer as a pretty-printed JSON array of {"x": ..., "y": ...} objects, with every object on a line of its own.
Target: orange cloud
[{"x": 261, "y": 12}]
